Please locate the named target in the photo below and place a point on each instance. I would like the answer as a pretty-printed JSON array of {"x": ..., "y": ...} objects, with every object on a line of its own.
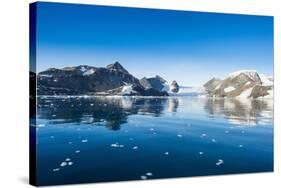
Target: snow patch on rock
[
  {"x": 229, "y": 89},
  {"x": 265, "y": 80},
  {"x": 251, "y": 73},
  {"x": 89, "y": 72},
  {"x": 246, "y": 93}
]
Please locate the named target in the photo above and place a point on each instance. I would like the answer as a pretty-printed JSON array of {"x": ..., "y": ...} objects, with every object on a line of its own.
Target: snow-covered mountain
[
  {"x": 241, "y": 84},
  {"x": 114, "y": 79}
]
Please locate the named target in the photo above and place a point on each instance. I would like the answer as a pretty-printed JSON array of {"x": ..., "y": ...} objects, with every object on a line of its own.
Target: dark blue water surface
[{"x": 98, "y": 139}]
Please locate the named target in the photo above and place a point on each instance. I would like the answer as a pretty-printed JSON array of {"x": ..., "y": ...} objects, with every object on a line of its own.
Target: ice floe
[
  {"x": 84, "y": 141},
  {"x": 201, "y": 153},
  {"x": 179, "y": 135},
  {"x": 41, "y": 125},
  {"x": 63, "y": 164},
  {"x": 148, "y": 174},
  {"x": 135, "y": 147},
  {"x": 166, "y": 153},
  {"x": 56, "y": 169},
  {"x": 77, "y": 151},
  {"x": 214, "y": 140},
  {"x": 117, "y": 145},
  {"x": 220, "y": 162},
  {"x": 143, "y": 177},
  {"x": 203, "y": 135}
]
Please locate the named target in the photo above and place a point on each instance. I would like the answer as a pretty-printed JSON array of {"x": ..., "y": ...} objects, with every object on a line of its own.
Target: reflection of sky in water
[{"x": 151, "y": 138}]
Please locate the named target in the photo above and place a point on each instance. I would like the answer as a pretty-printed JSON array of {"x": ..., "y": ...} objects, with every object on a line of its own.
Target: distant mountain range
[
  {"x": 114, "y": 79},
  {"x": 241, "y": 84}
]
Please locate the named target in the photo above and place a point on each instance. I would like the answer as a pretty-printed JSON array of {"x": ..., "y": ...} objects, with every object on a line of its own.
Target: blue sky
[{"x": 189, "y": 47}]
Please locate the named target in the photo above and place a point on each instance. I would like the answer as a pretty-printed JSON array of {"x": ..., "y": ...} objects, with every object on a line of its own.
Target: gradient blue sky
[{"x": 190, "y": 47}]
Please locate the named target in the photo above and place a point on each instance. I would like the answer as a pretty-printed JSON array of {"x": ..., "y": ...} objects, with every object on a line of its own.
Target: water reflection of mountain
[
  {"x": 241, "y": 111},
  {"x": 111, "y": 112}
]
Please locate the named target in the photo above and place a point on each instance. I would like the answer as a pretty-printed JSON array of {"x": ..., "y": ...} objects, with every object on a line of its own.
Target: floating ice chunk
[
  {"x": 56, "y": 169},
  {"x": 143, "y": 177},
  {"x": 240, "y": 146},
  {"x": 117, "y": 145},
  {"x": 54, "y": 115},
  {"x": 179, "y": 135},
  {"x": 214, "y": 140},
  {"x": 92, "y": 104},
  {"x": 151, "y": 129},
  {"x": 201, "y": 153},
  {"x": 114, "y": 145},
  {"x": 77, "y": 151},
  {"x": 70, "y": 163},
  {"x": 41, "y": 125},
  {"x": 149, "y": 174},
  {"x": 52, "y": 137},
  {"x": 220, "y": 162},
  {"x": 135, "y": 147},
  {"x": 63, "y": 164},
  {"x": 84, "y": 141},
  {"x": 166, "y": 153},
  {"x": 67, "y": 159},
  {"x": 203, "y": 135}
]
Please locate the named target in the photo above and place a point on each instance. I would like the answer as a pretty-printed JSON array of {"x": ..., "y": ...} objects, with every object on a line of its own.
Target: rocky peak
[
  {"x": 117, "y": 67},
  {"x": 174, "y": 87},
  {"x": 157, "y": 83},
  {"x": 212, "y": 84},
  {"x": 250, "y": 75},
  {"x": 157, "y": 77}
]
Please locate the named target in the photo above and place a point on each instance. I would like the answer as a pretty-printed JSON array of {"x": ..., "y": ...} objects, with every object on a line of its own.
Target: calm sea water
[{"x": 98, "y": 139}]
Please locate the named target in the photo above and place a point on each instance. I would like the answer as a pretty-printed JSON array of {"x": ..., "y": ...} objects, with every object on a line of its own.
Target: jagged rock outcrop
[
  {"x": 157, "y": 83},
  {"x": 174, "y": 87},
  {"x": 244, "y": 84},
  {"x": 212, "y": 84}
]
